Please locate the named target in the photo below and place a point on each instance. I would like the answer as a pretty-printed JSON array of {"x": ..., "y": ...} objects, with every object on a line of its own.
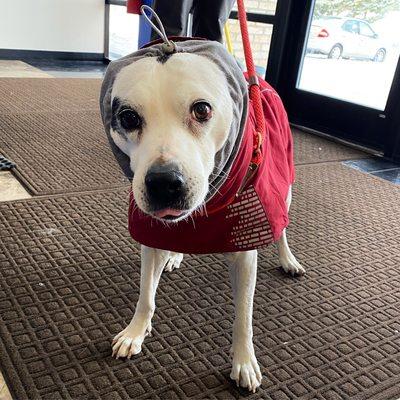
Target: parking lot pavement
[{"x": 362, "y": 82}]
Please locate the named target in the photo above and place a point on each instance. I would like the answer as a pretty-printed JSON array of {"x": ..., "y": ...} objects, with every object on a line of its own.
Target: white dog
[{"x": 175, "y": 123}]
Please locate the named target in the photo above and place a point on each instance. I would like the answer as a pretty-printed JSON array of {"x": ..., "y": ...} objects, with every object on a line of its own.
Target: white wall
[{"x": 53, "y": 25}]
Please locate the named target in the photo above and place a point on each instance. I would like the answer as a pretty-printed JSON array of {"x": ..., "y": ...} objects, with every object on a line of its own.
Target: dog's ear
[
  {"x": 107, "y": 115},
  {"x": 105, "y": 101},
  {"x": 122, "y": 159}
]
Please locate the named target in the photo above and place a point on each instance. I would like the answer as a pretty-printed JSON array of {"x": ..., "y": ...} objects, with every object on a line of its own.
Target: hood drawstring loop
[{"x": 168, "y": 46}]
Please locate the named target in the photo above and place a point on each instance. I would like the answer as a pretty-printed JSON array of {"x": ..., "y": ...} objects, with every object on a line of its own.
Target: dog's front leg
[
  {"x": 129, "y": 341},
  {"x": 243, "y": 271}
]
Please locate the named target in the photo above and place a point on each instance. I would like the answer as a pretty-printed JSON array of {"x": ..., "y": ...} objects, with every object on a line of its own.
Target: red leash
[{"x": 255, "y": 96}]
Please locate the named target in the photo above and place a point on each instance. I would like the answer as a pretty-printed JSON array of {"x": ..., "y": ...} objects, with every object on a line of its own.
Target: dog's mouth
[{"x": 169, "y": 214}]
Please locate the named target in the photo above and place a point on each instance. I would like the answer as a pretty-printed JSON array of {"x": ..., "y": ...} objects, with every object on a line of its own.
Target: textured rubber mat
[
  {"x": 52, "y": 129},
  {"x": 40, "y": 95},
  {"x": 59, "y": 152},
  {"x": 312, "y": 149},
  {"x": 70, "y": 279}
]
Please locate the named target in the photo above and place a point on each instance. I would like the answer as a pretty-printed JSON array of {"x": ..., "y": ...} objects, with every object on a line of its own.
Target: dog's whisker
[
  {"x": 201, "y": 209},
  {"x": 133, "y": 204},
  {"x": 191, "y": 217},
  {"x": 205, "y": 209}
]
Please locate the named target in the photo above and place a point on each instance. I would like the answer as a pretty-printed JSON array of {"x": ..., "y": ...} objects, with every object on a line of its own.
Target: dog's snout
[{"x": 165, "y": 185}]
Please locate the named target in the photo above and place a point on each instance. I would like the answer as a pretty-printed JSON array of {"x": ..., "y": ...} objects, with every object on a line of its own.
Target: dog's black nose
[{"x": 165, "y": 186}]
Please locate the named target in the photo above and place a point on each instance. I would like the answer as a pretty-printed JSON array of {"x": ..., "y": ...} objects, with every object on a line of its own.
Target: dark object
[
  {"x": 209, "y": 17},
  {"x": 6, "y": 164}
]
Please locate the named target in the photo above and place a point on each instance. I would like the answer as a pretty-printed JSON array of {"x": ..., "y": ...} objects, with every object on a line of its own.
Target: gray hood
[{"x": 215, "y": 52}]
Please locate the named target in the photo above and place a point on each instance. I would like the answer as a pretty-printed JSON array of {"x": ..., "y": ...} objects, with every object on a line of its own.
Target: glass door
[
  {"x": 347, "y": 64},
  {"x": 122, "y": 30}
]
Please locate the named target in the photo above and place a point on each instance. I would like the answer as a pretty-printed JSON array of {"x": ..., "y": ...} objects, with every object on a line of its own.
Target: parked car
[{"x": 345, "y": 37}]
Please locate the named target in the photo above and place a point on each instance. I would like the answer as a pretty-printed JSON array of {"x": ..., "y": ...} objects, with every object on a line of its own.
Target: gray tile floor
[
  {"x": 70, "y": 69},
  {"x": 392, "y": 175},
  {"x": 378, "y": 167}
]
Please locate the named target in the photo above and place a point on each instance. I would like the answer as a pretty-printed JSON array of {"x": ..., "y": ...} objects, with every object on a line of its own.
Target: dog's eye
[
  {"x": 130, "y": 120},
  {"x": 201, "y": 111}
]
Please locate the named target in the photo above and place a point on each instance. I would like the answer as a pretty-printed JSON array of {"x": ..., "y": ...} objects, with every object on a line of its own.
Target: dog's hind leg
[
  {"x": 129, "y": 341},
  {"x": 243, "y": 271},
  {"x": 286, "y": 258}
]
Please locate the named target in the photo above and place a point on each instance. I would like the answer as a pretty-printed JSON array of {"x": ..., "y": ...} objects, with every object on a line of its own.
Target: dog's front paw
[
  {"x": 129, "y": 341},
  {"x": 246, "y": 372},
  {"x": 291, "y": 266},
  {"x": 173, "y": 262}
]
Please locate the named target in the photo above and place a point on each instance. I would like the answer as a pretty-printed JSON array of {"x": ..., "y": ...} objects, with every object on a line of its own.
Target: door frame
[
  {"x": 338, "y": 118},
  {"x": 392, "y": 145}
]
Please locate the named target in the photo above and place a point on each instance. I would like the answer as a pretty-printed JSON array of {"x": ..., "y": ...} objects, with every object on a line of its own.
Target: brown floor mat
[
  {"x": 312, "y": 149},
  {"x": 48, "y": 95},
  {"x": 52, "y": 130},
  {"x": 58, "y": 152},
  {"x": 70, "y": 278}
]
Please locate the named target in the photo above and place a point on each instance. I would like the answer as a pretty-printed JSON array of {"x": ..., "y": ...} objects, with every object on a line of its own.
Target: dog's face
[{"x": 171, "y": 116}]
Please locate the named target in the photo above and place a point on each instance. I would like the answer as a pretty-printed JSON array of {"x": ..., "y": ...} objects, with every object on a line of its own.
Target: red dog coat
[{"x": 235, "y": 222}]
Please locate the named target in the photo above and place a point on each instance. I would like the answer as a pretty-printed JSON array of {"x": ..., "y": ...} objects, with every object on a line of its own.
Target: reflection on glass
[
  {"x": 352, "y": 51},
  {"x": 124, "y": 31}
]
